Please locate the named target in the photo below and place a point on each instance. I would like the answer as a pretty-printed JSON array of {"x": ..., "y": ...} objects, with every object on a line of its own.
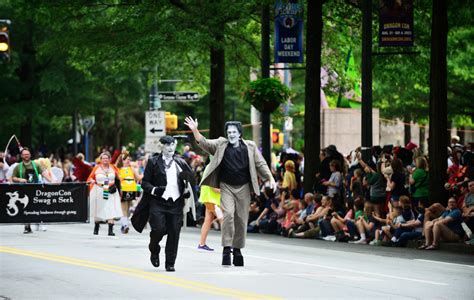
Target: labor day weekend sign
[{"x": 288, "y": 32}]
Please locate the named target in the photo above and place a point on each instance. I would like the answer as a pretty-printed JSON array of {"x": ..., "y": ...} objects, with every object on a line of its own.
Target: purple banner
[{"x": 396, "y": 23}]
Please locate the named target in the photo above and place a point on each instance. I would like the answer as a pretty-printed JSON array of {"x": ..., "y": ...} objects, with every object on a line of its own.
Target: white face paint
[
  {"x": 233, "y": 135},
  {"x": 168, "y": 150}
]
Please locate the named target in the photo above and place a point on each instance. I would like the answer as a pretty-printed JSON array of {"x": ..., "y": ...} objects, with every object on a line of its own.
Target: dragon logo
[{"x": 11, "y": 206}]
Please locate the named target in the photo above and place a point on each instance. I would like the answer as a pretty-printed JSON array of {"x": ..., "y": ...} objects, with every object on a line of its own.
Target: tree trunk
[
  {"x": 28, "y": 79},
  {"x": 312, "y": 115},
  {"x": 462, "y": 135},
  {"x": 117, "y": 126},
  {"x": 407, "y": 129},
  {"x": 438, "y": 134},
  {"x": 217, "y": 93}
]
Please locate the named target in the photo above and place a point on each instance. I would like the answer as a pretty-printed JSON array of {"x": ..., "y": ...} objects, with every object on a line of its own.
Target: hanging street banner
[
  {"x": 48, "y": 203},
  {"x": 396, "y": 23},
  {"x": 288, "y": 32}
]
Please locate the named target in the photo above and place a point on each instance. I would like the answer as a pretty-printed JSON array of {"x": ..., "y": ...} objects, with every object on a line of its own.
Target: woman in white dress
[{"x": 104, "y": 193}]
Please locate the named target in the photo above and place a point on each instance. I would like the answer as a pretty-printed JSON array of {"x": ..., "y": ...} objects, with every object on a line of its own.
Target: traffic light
[
  {"x": 4, "y": 44},
  {"x": 275, "y": 136},
  {"x": 171, "y": 121}
]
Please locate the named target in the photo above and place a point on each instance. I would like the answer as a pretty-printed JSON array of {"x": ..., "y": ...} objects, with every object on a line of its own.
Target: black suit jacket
[{"x": 155, "y": 176}]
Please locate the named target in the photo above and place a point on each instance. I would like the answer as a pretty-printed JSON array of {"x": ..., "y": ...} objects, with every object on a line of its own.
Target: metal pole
[
  {"x": 86, "y": 145},
  {"x": 286, "y": 132},
  {"x": 366, "y": 73},
  {"x": 74, "y": 132},
  {"x": 265, "y": 65}
]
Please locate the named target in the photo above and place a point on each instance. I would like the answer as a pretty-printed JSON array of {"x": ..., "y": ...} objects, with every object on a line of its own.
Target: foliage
[{"x": 266, "y": 94}]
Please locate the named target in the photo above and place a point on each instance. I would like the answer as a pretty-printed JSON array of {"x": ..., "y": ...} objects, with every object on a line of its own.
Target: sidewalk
[{"x": 449, "y": 247}]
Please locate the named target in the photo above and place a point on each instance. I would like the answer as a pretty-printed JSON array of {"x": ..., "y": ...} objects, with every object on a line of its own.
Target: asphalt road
[{"x": 68, "y": 262}]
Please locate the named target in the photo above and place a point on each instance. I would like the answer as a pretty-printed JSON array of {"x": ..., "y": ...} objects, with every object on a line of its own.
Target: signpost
[{"x": 175, "y": 96}]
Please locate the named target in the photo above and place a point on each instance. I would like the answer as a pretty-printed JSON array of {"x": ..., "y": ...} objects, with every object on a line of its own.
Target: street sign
[
  {"x": 88, "y": 122},
  {"x": 155, "y": 127},
  {"x": 172, "y": 96},
  {"x": 152, "y": 144},
  {"x": 155, "y": 124}
]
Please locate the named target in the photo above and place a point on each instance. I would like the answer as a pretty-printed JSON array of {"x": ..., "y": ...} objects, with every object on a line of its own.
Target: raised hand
[{"x": 191, "y": 123}]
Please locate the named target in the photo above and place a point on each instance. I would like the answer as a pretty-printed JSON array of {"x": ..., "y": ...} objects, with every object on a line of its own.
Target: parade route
[{"x": 68, "y": 262}]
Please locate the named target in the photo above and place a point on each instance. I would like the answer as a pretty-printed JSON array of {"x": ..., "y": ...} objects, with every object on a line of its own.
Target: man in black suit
[{"x": 164, "y": 182}]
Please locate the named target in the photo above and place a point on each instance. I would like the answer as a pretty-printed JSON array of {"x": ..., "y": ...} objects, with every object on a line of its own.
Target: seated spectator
[
  {"x": 445, "y": 228},
  {"x": 392, "y": 222},
  {"x": 410, "y": 230},
  {"x": 306, "y": 209},
  {"x": 311, "y": 227},
  {"x": 267, "y": 220},
  {"x": 407, "y": 212},
  {"x": 344, "y": 227},
  {"x": 291, "y": 207},
  {"x": 366, "y": 224}
]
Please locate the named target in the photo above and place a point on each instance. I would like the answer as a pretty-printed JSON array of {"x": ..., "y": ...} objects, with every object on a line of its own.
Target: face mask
[
  {"x": 168, "y": 150},
  {"x": 233, "y": 134}
]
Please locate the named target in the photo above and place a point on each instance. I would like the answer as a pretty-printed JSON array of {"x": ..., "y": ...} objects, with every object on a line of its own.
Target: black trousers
[{"x": 164, "y": 223}]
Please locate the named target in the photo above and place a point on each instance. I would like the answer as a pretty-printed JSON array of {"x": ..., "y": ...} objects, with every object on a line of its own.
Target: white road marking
[
  {"x": 350, "y": 270},
  {"x": 444, "y": 263}
]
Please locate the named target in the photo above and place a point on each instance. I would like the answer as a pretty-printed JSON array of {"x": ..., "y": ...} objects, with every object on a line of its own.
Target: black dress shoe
[
  {"x": 155, "y": 260},
  {"x": 238, "y": 260},
  {"x": 170, "y": 269},
  {"x": 226, "y": 261}
]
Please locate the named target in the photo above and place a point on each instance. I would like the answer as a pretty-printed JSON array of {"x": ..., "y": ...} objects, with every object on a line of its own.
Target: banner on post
[
  {"x": 288, "y": 32},
  {"x": 48, "y": 203},
  {"x": 395, "y": 23}
]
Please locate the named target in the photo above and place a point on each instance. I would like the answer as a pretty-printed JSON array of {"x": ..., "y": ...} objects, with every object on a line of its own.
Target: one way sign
[{"x": 155, "y": 124}]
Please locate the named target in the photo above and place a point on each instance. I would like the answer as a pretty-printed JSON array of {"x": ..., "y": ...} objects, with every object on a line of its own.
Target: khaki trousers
[{"x": 235, "y": 203}]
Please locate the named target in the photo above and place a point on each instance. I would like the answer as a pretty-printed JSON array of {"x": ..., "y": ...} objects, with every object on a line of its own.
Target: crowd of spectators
[{"x": 377, "y": 196}]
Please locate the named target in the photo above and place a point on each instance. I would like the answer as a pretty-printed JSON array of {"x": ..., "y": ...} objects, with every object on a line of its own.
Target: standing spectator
[
  {"x": 397, "y": 181},
  {"x": 104, "y": 193},
  {"x": 289, "y": 179},
  {"x": 377, "y": 186},
  {"x": 3, "y": 168},
  {"x": 334, "y": 183},
  {"x": 26, "y": 172},
  {"x": 82, "y": 169},
  {"x": 419, "y": 183}
]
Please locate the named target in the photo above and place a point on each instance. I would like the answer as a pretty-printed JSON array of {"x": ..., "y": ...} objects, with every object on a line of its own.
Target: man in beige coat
[{"x": 234, "y": 170}]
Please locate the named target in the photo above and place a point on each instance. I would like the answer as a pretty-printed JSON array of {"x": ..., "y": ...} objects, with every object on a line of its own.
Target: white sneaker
[
  {"x": 41, "y": 228},
  {"x": 331, "y": 238},
  {"x": 361, "y": 241}
]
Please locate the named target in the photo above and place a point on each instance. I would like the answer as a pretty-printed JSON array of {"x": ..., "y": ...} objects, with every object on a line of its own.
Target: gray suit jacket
[{"x": 216, "y": 147}]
